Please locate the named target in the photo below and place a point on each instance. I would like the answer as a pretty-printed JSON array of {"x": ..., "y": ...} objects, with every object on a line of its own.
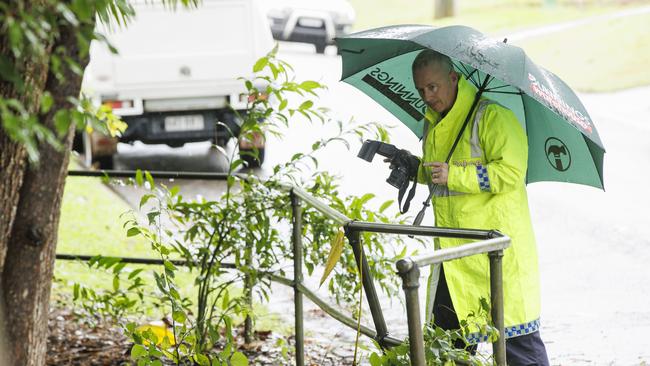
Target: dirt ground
[{"x": 73, "y": 342}]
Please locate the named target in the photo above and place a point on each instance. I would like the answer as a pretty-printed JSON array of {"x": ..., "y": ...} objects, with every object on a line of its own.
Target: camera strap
[
  {"x": 402, "y": 190},
  {"x": 433, "y": 187}
]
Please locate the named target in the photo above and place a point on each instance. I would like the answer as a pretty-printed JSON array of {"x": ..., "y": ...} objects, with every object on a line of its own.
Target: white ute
[{"x": 175, "y": 76}]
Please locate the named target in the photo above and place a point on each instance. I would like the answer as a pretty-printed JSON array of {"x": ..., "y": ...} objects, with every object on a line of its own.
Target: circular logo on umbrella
[{"x": 558, "y": 154}]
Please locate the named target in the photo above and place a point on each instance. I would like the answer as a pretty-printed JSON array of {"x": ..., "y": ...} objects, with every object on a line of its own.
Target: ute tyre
[
  {"x": 251, "y": 161},
  {"x": 102, "y": 162},
  {"x": 320, "y": 47}
]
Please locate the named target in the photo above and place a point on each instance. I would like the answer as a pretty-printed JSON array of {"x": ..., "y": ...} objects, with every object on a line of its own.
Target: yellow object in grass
[{"x": 160, "y": 330}]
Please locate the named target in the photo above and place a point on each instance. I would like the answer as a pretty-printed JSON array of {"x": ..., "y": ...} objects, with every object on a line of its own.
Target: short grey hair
[{"x": 431, "y": 57}]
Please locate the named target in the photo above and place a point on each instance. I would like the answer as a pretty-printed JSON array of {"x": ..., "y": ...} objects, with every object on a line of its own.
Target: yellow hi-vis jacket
[{"x": 485, "y": 190}]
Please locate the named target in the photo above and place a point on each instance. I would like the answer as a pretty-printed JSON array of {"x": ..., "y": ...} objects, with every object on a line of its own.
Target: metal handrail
[
  {"x": 466, "y": 250},
  {"x": 492, "y": 242},
  {"x": 326, "y": 210},
  {"x": 409, "y": 269}
]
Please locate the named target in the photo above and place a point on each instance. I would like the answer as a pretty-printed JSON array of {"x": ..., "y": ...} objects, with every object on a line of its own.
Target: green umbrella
[{"x": 564, "y": 145}]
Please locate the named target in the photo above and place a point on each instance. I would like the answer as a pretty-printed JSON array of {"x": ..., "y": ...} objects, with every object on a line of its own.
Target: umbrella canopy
[{"x": 564, "y": 145}]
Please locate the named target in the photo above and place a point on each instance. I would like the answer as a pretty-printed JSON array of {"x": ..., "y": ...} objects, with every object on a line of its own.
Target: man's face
[{"x": 437, "y": 87}]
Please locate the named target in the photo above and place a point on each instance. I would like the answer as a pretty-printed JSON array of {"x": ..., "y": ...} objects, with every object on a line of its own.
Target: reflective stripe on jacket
[{"x": 486, "y": 185}]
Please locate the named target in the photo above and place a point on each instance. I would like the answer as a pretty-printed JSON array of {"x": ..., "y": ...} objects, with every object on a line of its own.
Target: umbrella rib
[
  {"x": 469, "y": 74},
  {"x": 489, "y": 81},
  {"x": 503, "y": 92},
  {"x": 499, "y": 87}
]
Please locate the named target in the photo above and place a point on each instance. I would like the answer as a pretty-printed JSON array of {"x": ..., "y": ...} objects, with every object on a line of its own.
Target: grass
[
  {"x": 581, "y": 56},
  {"x": 90, "y": 225},
  {"x": 600, "y": 57},
  {"x": 487, "y": 16}
]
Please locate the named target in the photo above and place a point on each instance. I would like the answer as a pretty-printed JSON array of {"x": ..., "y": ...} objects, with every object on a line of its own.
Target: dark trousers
[{"x": 525, "y": 350}]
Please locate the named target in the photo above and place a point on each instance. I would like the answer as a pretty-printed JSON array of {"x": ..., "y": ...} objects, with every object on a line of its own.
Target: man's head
[{"x": 435, "y": 80}]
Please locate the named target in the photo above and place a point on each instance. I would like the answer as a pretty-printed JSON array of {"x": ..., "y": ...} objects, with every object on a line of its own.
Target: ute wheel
[
  {"x": 252, "y": 161},
  {"x": 78, "y": 142},
  {"x": 104, "y": 162},
  {"x": 320, "y": 47}
]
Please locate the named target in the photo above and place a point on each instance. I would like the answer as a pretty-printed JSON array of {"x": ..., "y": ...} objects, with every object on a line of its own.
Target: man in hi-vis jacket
[{"x": 482, "y": 187}]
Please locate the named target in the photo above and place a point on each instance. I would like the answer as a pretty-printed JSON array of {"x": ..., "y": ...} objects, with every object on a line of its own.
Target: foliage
[
  {"x": 31, "y": 31},
  {"x": 244, "y": 236},
  {"x": 440, "y": 346},
  {"x": 125, "y": 296}
]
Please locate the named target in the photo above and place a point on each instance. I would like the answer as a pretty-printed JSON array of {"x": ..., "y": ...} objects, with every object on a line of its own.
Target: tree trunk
[
  {"x": 444, "y": 8},
  {"x": 29, "y": 263},
  {"x": 12, "y": 163}
]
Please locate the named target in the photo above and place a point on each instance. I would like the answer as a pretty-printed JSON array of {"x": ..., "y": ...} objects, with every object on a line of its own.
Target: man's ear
[{"x": 454, "y": 77}]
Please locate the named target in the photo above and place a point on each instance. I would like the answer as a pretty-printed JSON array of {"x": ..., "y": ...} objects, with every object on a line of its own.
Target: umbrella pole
[{"x": 479, "y": 92}]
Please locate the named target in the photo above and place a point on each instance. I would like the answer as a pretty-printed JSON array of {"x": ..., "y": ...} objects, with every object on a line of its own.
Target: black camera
[{"x": 403, "y": 165}]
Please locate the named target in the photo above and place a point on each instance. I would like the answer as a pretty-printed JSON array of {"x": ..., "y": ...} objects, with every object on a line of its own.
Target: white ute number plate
[
  {"x": 310, "y": 22},
  {"x": 184, "y": 123}
]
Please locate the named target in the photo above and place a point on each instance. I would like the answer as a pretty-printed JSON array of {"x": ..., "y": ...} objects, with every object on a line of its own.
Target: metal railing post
[
  {"x": 368, "y": 286},
  {"x": 410, "y": 273},
  {"x": 297, "y": 278},
  {"x": 496, "y": 299}
]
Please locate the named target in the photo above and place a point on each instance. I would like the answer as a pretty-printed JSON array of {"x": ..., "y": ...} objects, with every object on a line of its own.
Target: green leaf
[
  {"x": 152, "y": 184},
  {"x": 375, "y": 360},
  {"x": 68, "y": 15},
  {"x": 118, "y": 268},
  {"x": 116, "y": 283},
  {"x": 138, "y": 178},
  {"x": 8, "y": 72},
  {"x": 385, "y": 205},
  {"x": 169, "y": 265},
  {"x": 309, "y": 85},
  {"x": 135, "y": 273},
  {"x": 238, "y": 359},
  {"x": 130, "y": 327},
  {"x": 46, "y": 102},
  {"x": 259, "y": 65},
  {"x": 179, "y": 316},
  {"x": 145, "y": 198},
  {"x": 365, "y": 198},
  {"x": 138, "y": 351},
  {"x": 62, "y": 121},
  {"x": 202, "y": 360},
  {"x": 226, "y": 300},
  {"x": 283, "y": 104},
  {"x": 306, "y": 105},
  {"x": 152, "y": 216},
  {"x": 132, "y": 232}
]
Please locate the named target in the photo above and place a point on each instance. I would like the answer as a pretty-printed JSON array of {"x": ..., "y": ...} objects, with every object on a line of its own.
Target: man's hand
[{"x": 439, "y": 171}]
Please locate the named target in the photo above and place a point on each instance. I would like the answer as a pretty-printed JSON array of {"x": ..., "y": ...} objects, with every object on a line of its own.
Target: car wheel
[
  {"x": 252, "y": 161},
  {"x": 320, "y": 47},
  {"x": 104, "y": 162}
]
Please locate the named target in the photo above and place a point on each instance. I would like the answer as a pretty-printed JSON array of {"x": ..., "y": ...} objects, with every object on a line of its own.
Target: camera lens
[{"x": 398, "y": 177}]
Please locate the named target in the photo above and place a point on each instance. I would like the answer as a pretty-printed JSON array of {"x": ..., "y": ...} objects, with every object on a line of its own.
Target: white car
[
  {"x": 310, "y": 21},
  {"x": 175, "y": 77}
]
